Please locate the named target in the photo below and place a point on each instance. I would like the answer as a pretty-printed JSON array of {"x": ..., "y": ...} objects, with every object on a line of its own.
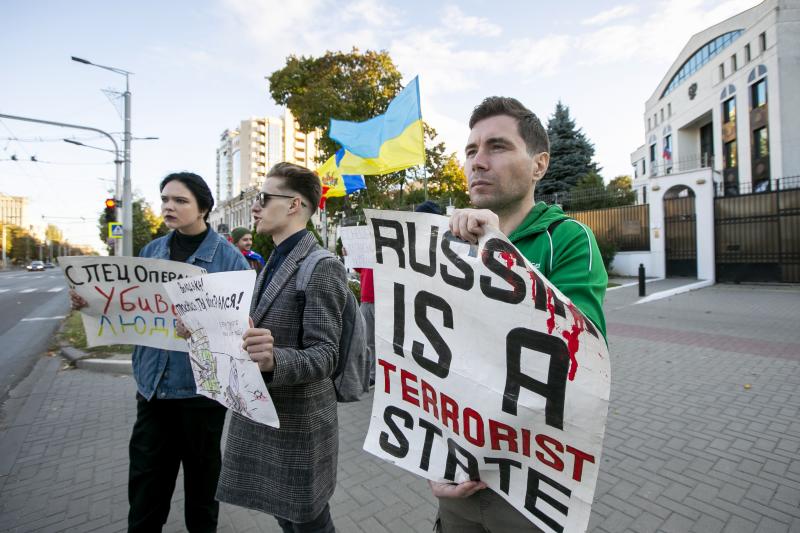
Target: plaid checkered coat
[{"x": 290, "y": 472}]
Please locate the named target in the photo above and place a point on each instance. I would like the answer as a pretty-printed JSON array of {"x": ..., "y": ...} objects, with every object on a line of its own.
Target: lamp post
[
  {"x": 117, "y": 160},
  {"x": 127, "y": 196},
  {"x": 118, "y": 243}
]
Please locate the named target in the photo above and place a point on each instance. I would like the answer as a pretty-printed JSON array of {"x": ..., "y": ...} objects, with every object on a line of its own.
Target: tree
[
  {"x": 571, "y": 154},
  {"x": 344, "y": 85},
  {"x": 621, "y": 190},
  {"x": 146, "y": 226}
]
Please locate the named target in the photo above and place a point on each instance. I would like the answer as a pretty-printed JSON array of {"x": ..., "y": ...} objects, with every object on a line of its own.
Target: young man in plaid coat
[{"x": 290, "y": 472}]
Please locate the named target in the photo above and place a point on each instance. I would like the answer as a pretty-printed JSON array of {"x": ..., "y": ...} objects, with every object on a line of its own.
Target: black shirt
[
  {"x": 280, "y": 252},
  {"x": 181, "y": 246}
]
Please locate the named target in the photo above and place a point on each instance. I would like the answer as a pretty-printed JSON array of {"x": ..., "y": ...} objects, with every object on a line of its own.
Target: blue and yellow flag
[
  {"x": 387, "y": 143},
  {"x": 334, "y": 183}
]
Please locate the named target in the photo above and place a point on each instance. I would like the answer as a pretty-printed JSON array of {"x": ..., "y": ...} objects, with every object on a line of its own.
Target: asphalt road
[{"x": 33, "y": 305}]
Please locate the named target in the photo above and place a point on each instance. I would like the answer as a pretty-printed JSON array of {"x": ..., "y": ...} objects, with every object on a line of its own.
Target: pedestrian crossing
[{"x": 31, "y": 290}]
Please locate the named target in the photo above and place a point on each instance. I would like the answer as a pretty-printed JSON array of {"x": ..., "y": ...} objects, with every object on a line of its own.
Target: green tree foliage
[
  {"x": 571, "y": 154},
  {"x": 147, "y": 225},
  {"x": 591, "y": 193},
  {"x": 344, "y": 85}
]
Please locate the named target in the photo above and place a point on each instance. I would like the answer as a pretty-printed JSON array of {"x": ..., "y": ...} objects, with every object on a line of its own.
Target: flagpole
[{"x": 425, "y": 180}]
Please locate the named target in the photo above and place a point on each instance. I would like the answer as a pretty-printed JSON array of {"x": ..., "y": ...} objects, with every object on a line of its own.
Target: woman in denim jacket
[{"x": 174, "y": 425}]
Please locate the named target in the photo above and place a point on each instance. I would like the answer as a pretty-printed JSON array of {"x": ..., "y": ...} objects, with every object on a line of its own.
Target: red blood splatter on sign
[
  {"x": 551, "y": 322},
  {"x": 508, "y": 258},
  {"x": 532, "y": 275},
  {"x": 573, "y": 341}
]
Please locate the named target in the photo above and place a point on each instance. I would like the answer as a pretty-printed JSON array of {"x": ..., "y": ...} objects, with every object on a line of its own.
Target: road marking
[
  {"x": 37, "y": 318},
  {"x": 55, "y": 289},
  {"x": 25, "y": 291}
]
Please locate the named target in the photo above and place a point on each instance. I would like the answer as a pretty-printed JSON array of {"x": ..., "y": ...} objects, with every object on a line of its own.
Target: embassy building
[
  {"x": 730, "y": 102},
  {"x": 722, "y": 124}
]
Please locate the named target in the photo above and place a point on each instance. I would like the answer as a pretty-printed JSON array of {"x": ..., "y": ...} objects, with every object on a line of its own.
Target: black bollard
[{"x": 641, "y": 280}]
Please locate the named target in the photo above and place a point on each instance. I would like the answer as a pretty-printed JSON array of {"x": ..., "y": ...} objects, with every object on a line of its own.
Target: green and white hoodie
[{"x": 568, "y": 257}]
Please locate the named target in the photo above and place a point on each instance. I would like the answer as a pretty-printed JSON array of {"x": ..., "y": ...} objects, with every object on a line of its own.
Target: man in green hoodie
[{"x": 507, "y": 153}]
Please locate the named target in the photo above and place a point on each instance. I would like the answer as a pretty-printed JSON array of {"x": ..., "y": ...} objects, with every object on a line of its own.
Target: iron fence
[
  {"x": 628, "y": 227},
  {"x": 757, "y": 234}
]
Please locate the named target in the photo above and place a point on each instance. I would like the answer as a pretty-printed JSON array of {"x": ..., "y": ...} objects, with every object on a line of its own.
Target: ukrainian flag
[
  {"x": 334, "y": 183},
  {"x": 387, "y": 143}
]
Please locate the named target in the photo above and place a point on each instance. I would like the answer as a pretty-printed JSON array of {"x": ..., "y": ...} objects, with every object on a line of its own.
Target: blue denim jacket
[{"x": 164, "y": 373}]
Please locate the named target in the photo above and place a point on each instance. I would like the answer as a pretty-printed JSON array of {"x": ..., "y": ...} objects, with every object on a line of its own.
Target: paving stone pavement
[{"x": 688, "y": 448}]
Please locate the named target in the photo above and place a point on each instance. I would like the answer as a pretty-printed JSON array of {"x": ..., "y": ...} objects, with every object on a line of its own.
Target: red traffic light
[{"x": 111, "y": 203}]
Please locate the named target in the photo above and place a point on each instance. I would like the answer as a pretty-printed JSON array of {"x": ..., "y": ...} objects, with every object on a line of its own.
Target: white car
[{"x": 35, "y": 266}]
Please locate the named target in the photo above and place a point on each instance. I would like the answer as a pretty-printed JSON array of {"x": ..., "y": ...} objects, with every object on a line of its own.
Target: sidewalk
[{"x": 689, "y": 447}]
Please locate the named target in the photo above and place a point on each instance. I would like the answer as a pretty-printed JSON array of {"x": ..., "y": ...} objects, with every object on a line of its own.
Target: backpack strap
[
  {"x": 550, "y": 229},
  {"x": 304, "y": 272}
]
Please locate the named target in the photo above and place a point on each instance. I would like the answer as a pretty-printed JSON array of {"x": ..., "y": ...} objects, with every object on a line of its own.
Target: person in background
[
  {"x": 243, "y": 239},
  {"x": 174, "y": 425}
]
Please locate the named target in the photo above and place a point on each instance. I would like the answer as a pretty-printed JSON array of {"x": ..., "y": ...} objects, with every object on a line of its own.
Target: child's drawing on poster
[{"x": 214, "y": 307}]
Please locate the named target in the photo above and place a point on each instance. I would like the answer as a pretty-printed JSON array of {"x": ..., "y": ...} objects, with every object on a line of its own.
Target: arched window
[{"x": 700, "y": 58}]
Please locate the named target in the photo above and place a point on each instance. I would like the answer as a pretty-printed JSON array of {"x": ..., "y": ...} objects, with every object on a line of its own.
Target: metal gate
[
  {"x": 758, "y": 236},
  {"x": 680, "y": 236}
]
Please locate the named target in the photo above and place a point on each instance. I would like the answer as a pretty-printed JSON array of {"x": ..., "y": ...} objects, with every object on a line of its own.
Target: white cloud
[
  {"x": 457, "y": 21},
  {"x": 608, "y": 15},
  {"x": 660, "y": 36}
]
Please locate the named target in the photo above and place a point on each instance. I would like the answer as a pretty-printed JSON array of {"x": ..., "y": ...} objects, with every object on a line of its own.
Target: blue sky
[{"x": 200, "y": 65}]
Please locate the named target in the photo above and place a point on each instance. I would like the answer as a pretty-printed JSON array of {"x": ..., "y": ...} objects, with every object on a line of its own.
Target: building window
[
  {"x": 662, "y": 114},
  {"x": 652, "y": 154},
  {"x": 734, "y": 65},
  {"x": 747, "y": 53},
  {"x": 649, "y": 127},
  {"x": 760, "y": 143},
  {"x": 762, "y": 42},
  {"x": 730, "y": 154},
  {"x": 669, "y": 110},
  {"x": 722, "y": 71},
  {"x": 729, "y": 110},
  {"x": 702, "y": 56},
  {"x": 758, "y": 94}
]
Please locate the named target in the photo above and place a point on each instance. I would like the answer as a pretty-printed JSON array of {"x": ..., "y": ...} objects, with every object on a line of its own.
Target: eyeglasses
[{"x": 263, "y": 197}]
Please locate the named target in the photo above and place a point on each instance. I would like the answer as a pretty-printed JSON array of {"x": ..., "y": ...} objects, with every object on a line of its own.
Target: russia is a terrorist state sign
[{"x": 485, "y": 371}]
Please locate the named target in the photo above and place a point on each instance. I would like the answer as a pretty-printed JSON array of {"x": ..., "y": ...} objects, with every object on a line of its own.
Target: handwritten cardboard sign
[
  {"x": 214, "y": 307},
  {"x": 360, "y": 247},
  {"x": 127, "y": 303},
  {"x": 485, "y": 371}
]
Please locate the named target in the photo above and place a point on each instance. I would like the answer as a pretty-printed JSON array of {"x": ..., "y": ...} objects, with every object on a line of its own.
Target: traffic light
[{"x": 111, "y": 205}]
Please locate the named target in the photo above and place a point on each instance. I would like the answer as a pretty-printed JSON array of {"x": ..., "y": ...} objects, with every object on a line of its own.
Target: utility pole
[
  {"x": 117, "y": 160},
  {"x": 127, "y": 194}
]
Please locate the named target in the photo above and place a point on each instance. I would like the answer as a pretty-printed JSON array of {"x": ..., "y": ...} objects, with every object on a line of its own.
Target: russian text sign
[
  {"x": 485, "y": 371},
  {"x": 214, "y": 307},
  {"x": 127, "y": 303}
]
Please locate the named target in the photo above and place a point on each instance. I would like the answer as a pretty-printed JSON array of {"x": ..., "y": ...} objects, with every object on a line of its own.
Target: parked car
[
  {"x": 48, "y": 264},
  {"x": 35, "y": 266}
]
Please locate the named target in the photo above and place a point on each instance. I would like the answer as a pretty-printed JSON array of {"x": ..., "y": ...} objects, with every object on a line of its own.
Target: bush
[
  {"x": 608, "y": 249},
  {"x": 355, "y": 286}
]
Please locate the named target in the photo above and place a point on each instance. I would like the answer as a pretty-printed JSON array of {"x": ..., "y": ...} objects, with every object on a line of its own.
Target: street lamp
[
  {"x": 127, "y": 199},
  {"x": 119, "y": 247}
]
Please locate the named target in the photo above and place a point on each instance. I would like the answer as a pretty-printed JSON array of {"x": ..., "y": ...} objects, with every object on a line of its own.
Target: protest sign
[
  {"x": 127, "y": 304},
  {"x": 485, "y": 371},
  {"x": 215, "y": 308},
  {"x": 360, "y": 247}
]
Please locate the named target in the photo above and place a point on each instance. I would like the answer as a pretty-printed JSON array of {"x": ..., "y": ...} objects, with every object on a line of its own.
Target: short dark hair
[
  {"x": 197, "y": 186},
  {"x": 300, "y": 180},
  {"x": 528, "y": 124}
]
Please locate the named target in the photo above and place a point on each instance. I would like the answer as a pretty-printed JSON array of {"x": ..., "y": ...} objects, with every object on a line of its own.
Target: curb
[{"x": 84, "y": 361}]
